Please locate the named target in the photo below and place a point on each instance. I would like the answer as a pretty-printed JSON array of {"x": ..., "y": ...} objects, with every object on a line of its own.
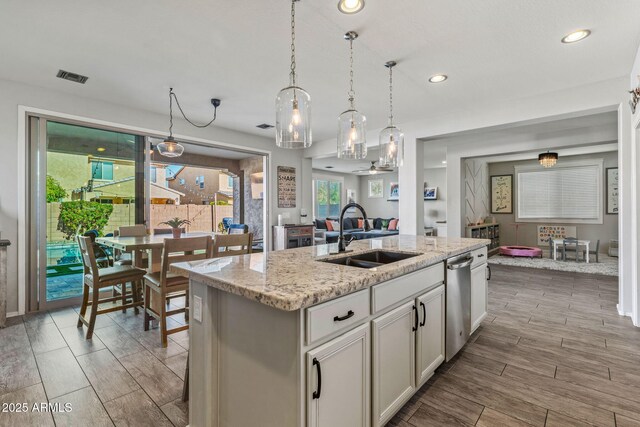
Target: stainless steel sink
[{"x": 371, "y": 259}]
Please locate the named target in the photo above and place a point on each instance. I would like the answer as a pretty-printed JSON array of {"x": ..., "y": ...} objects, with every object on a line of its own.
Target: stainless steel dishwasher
[{"x": 458, "y": 303}]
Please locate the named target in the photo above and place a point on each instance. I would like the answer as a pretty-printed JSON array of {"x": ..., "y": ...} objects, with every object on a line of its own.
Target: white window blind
[{"x": 567, "y": 193}]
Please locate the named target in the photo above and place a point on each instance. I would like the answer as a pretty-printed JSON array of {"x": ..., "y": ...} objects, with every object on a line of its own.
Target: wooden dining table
[{"x": 153, "y": 244}]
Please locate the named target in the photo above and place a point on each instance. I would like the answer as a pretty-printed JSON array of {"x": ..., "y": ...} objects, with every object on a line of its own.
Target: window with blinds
[{"x": 567, "y": 193}]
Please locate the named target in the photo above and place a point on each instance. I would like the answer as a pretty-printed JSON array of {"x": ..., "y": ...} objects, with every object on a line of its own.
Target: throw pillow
[
  {"x": 360, "y": 223},
  {"x": 370, "y": 221},
  {"x": 335, "y": 225},
  {"x": 393, "y": 225},
  {"x": 329, "y": 225}
]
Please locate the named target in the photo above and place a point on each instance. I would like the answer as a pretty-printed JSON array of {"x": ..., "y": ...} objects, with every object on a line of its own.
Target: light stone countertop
[{"x": 293, "y": 279}]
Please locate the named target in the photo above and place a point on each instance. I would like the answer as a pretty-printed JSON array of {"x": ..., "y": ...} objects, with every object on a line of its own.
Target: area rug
[{"x": 607, "y": 266}]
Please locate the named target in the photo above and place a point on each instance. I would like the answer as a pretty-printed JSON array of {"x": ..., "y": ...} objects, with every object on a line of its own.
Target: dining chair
[
  {"x": 570, "y": 244},
  {"x": 592, "y": 251},
  {"x": 238, "y": 228},
  {"x": 163, "y": 283},
  {"x": 95, "y": 279},
  {"x": 232, "y": 244}
]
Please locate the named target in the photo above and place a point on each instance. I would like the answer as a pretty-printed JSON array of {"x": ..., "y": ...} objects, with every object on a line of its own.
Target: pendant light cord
[
  {"x": 390, "y": 95},
  {"x": 352, "y": 93},
  {"x": 292, "y": 74},
  {"x": 173, "y": 96}
]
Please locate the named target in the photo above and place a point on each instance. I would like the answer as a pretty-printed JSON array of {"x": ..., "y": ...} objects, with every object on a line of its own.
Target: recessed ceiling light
[
  {"x": 350, "y": 6},
  {"x": 438, "y": 78},
  {"x": 101, "y": 149},
  {"x": 576, "y": 36},
  {"x": 444, "y": 162}
]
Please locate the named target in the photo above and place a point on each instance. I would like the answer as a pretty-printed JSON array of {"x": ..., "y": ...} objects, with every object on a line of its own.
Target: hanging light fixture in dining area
[
  {"x": 293, "y": 104},
  {"x": 352, "y": 140},
  {"x": 548, "y": 159},
  {"x": 391, "y": 138},
  {"x": 170, "y": 147}
]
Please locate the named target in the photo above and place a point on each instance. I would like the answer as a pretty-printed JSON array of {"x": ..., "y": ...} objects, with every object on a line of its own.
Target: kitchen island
[{"x": 288, "y": 339}]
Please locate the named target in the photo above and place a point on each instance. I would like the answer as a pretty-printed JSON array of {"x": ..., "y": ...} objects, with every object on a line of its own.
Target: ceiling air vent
[
  {"x": 72, "y": 77},
  {"x": 264, "y": 126}
]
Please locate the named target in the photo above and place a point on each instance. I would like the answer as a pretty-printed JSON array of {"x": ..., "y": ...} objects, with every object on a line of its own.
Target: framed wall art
[
  {"x": 502, "y": 194},
  {"x": 612, "y": 191},
  {"x": 376, "y": 188}
]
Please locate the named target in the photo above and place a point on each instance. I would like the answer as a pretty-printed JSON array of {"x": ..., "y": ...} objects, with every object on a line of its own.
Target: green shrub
[
  {"x": 80, "y": 216},
  {"x": 55, "y": 191}
]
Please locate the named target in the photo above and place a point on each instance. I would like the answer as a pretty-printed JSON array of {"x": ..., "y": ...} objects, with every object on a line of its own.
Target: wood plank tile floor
[
  {"x": 553, "y": 351},
  {"x": 121, "y": 377}
]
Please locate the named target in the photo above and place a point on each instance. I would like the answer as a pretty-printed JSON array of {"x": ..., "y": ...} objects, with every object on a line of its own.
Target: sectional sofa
[{"x": 350, "y": 227}]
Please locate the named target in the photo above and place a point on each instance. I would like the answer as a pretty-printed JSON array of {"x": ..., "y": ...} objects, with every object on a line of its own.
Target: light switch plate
[{"x": 197, "y": 308}]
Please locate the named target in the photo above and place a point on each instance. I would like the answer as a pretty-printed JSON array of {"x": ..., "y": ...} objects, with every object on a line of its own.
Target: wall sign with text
[
  {"x": 286, "y": 187},
  {"x": 502, "y": 194},
  {"x": 612, "y": 190}
]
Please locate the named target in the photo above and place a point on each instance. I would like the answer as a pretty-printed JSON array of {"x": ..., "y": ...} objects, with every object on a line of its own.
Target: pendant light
[
  {"x": 169, "y": 147},
  {"x": 293, "y": 104},
  {"x": 391, "y": 138},
  {"x": 548, "y": 159},
  {"x": 352, "y": 139}
]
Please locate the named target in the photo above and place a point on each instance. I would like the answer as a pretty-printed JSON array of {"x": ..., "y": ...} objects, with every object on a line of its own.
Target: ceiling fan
[{"x": 373, "y": 169}]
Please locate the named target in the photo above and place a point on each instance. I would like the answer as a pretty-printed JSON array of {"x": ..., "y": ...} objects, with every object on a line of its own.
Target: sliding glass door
[{"x": 85, "y": 180}]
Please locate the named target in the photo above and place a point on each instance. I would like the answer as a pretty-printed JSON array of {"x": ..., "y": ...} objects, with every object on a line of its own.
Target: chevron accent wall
[{"x": 476, "y": 179}]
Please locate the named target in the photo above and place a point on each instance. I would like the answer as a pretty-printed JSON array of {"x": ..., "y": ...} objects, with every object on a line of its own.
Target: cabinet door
[
  {"x": 430, "y": 334},
  {"x": 394, "y": 378},
  {"x": 479, "y": 295},
  {"x": 338, "y": 381}
]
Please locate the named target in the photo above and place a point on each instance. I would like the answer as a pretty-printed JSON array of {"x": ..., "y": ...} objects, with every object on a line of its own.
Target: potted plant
[{"x": 175, "y": 224}]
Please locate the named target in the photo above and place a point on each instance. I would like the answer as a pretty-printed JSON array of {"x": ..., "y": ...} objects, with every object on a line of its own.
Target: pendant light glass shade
[
  {"x": 170, "y": 148},
  {"x": 293, "y": 118},
  {"x": 391, "y": 147},
  {"x": 391, "y": 140},
  {"x": 293, "y": 104},
  {"x": 352, "y": 124},
  {"x": 352, "y": 137}
]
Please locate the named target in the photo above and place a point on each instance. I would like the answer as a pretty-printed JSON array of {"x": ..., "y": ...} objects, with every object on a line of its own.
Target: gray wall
[
  {"x": 378, "y": 207},
  {"x": 527, "y": 232},
  {"x": 436, "y": 210}
]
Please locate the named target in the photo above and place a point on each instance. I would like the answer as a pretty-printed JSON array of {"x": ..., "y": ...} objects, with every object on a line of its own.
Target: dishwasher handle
[{"x": 466, "y": 263}]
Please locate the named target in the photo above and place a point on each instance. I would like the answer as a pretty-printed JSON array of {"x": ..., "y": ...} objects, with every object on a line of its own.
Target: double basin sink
[{"x": 371, "y": 259}]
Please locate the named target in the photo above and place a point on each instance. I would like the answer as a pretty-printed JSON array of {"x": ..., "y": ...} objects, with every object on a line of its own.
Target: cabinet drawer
[
  {"x": 336, "y": 315},
  {"x": 479, "y": 256},
  {"x": 389, "y": 293}
]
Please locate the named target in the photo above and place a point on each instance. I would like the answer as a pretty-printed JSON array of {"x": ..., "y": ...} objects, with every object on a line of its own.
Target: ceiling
[{"x": 133, "y": 51}]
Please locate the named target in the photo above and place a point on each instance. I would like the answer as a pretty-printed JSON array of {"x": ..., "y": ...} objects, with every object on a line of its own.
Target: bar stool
[
  {"x": 95, "y": 279},
  {"x": 164, "y": 283}
]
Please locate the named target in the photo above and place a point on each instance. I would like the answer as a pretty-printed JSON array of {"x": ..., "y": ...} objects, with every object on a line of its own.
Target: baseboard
[
  {"x": 622, "y": 313},
  {"x": 13, "y": 314}
]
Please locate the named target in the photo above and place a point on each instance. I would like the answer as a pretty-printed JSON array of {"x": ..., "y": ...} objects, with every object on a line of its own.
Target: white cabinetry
[
  {"x": 394, "y": 378},
  {"x": 430, "y": 335},
  {"x": 408, "y": 345},
  {"x": 479, "y": 295},
  {"x": 338, "y": 381}
]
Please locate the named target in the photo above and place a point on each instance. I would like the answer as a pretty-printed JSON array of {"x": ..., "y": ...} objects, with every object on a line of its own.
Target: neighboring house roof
[{"x": 105, "y": 186}]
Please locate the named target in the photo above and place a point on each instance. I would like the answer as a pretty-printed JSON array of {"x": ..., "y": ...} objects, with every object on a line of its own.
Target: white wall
[
  {"x": 16, "y": 94},
  {"x": 378, "y": 208},
  {"x": 436, "y": 210}
]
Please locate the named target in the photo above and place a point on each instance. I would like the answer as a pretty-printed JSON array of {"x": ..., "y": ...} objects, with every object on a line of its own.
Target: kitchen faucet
[{"x": 342, "y": 246}]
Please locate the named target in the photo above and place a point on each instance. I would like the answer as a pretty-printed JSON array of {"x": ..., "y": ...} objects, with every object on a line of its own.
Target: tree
[
  {"x": 80, "y": 216},
  {"x": 55, "y": 191}
]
